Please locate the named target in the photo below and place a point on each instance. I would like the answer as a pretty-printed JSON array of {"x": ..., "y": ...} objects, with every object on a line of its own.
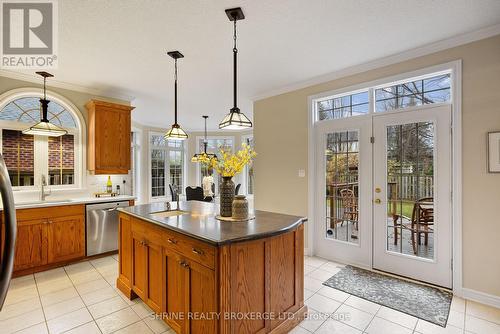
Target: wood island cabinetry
[{"x": 251, "y": 286}]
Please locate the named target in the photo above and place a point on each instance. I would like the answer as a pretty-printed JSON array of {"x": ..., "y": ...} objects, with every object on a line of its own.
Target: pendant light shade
[
  {"x": 235, "y": 120},
  {"x": 204, "y": 155},
  {"x": 44, "y": 127},
  {"x": 175, "y": 132}
]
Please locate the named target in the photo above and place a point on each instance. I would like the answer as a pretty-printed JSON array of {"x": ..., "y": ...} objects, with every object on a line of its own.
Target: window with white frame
[
  {"x": 135, "y": 151},
  {"x": 167, "y": 165},
  {"x": 413, "y": 93},
  {"x": 428, "y": 89},
  {"x": 28, "y": 157},
  {"x": 343, "y": 106},
  {"x": 249, "y": 170}
]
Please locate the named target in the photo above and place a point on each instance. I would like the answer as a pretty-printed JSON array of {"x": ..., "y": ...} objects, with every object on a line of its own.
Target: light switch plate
[{"x": 302, "y": 173}]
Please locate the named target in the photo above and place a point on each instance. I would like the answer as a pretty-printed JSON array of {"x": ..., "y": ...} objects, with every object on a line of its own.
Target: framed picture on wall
[{"x": 494, "y": 152}]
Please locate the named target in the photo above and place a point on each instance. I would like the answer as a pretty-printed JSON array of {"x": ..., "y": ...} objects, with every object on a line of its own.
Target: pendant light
[
  {"x": 235, "y": 120},
  {"x": 204, "y": 154},
  {"x": 44, "y": 127},
  {"x": 176, "y": 132}
]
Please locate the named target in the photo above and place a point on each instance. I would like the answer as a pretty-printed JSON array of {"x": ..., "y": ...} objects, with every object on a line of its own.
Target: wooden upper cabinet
[{"x": 109, "y": 126}]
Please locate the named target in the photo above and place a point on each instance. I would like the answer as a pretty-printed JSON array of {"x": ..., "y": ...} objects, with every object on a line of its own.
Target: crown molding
[
  {"x": 389, "y": 60},
  {"x": 64, "y": 85}
]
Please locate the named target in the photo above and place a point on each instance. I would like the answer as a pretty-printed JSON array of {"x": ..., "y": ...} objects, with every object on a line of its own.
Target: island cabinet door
[
  {"x": 177, "y": 296},
  {"x": 155, "y": 277},
  {"x": 191, "y": 302},
  {"x": 125, "y": 255},
  {"x": 202, "y": 299},
  {"x": 139, "y": 265}
]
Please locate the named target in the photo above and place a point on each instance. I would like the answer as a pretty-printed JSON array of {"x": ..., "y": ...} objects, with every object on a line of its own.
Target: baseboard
[{"x": 481, "y": 297}]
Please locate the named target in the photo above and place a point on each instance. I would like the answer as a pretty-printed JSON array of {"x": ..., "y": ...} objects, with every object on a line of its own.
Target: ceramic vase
[
  {"x": 240, "y": 207},
  {"x": 226, "y": 191}
]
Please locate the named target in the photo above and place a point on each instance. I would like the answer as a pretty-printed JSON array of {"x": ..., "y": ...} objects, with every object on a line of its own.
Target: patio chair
[
  {"x": 349, "y": 206},
  {"x": 421, "y": 222}
]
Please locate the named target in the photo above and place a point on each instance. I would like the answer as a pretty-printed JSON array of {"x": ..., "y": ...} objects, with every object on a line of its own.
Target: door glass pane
[
  {"x": 341, "y": 194},
  {"x": 410, "y": 189}
]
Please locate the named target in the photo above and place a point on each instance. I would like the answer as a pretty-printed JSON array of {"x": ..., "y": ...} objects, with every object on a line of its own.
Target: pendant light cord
[
  {"x": 175, "y": 92},
  {"x": 205, "y": 142},
  {"x": 44, "y": 88},
  {"x": 235, "y": 55}
]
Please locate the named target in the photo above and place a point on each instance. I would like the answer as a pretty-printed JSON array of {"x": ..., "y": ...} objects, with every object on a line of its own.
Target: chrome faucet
[{"x": 43, "y": 194}]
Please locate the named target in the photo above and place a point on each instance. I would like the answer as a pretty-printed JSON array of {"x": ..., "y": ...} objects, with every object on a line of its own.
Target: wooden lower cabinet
[
  {"x": 147, "y": 264},
  {"x": 190, "y": 303},
  {"x": 199, "y": 288},
  {"x": 66, "y": 238},
  {"x": 48, "y": 236},
  {"x": 31, "y": 245}
]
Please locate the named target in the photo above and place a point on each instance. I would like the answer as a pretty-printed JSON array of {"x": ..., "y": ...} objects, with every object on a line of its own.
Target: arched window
[{"x": 29, "y": 158}]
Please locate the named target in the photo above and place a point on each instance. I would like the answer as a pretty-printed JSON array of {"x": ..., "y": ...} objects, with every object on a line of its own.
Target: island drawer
[
  {"x": 149, "y": 232},
  {"x": 191, "y": 248}
]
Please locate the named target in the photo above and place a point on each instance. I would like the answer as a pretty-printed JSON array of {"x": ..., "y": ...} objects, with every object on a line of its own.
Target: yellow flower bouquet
[{"x": 229, "y": 164}]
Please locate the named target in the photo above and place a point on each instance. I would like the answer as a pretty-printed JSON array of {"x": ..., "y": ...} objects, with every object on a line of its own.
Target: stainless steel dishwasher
[{"x": 102, "y": 227}]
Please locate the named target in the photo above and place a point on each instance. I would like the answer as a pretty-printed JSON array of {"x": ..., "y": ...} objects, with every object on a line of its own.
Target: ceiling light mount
[
  {"x": 175, "y": 131},
  {"x": 235, "y": 14},
  {"x": 235, "y": 120}
]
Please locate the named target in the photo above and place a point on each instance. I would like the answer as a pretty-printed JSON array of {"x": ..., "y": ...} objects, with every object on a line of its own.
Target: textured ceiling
[{"x": 121, "y": 46}]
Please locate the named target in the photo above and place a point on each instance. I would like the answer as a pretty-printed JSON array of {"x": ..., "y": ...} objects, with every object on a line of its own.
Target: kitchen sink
[
  {"x": 44, "y": 202},
  {"x": 168, "y": 213}
]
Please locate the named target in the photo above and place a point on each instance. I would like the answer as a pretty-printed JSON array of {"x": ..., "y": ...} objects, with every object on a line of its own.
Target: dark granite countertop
[{"x": 200, "y": 222}]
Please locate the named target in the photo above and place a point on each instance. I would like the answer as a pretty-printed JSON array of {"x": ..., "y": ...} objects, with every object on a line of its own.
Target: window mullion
[{"x": 40, "y": 159}]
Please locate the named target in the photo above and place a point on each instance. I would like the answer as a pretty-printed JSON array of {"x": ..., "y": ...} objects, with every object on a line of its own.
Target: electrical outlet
[{"x": 302, "y": 173}]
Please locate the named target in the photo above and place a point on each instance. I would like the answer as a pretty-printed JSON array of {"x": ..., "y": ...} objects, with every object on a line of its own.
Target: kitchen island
[{"x": 203, "y": 275}]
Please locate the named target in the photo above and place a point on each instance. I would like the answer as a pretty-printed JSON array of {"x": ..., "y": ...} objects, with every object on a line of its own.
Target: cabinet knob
[
  {"x": 184, "y": 264},
  {"x": 172, "y": 241},
  {"x": 197, "y": 251}
]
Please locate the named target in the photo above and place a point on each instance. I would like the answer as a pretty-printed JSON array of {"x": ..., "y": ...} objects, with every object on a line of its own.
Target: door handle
[
  {"x": 378, "y": 201},
  {"x": 172, "y": 241}
]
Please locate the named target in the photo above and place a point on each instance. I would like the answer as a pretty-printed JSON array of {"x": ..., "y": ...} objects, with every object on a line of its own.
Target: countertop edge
[
  {"x": 77, "y": 201},
  {"x": 215, "y": 242}
]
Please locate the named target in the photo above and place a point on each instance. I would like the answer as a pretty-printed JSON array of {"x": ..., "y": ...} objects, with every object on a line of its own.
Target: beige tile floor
[
  {"x": 335, "y": 311},
  {"x": 82, "y": 298}
]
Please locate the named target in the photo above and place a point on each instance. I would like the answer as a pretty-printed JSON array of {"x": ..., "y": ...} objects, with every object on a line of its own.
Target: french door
[
  {"x": 344, "y": 229},
  {"x": 384, "y": 192},
  {"x": 412, "y": 194}
]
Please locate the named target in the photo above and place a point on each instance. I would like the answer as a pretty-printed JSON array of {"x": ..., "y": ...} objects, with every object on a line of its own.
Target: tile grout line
[
  {"x": 41, "y": 304},
  {"x": 128, "y": 306},
  {"x": 85, "y": 305}
]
